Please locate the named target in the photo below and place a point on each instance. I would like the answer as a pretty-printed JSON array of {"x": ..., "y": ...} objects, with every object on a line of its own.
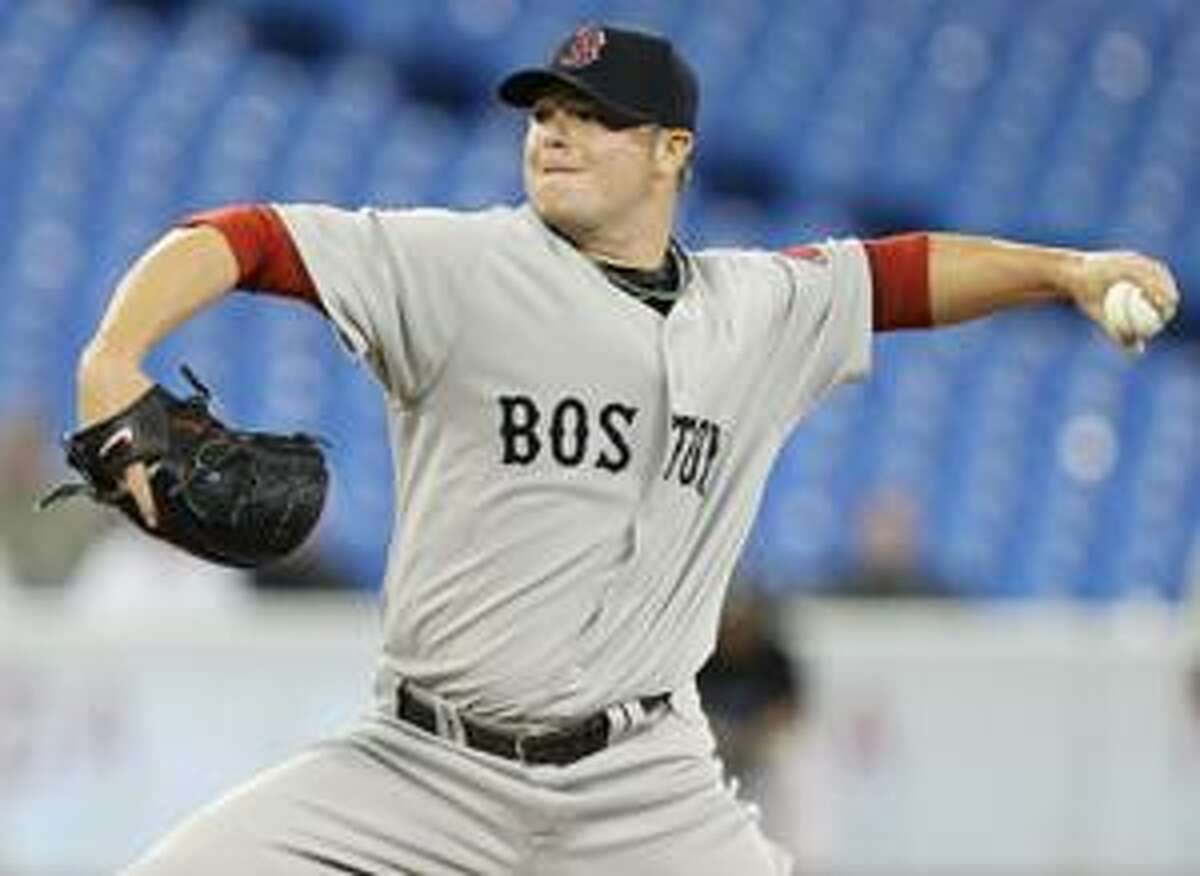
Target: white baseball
[{"x": 1129, "y": 312}]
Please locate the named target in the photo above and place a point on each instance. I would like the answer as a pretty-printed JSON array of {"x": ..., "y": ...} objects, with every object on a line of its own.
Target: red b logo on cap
[{"x": 584, "y": 48}]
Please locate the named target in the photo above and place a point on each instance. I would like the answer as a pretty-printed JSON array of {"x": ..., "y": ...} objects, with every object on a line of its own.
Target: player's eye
[{"x": 586, "y": 112}]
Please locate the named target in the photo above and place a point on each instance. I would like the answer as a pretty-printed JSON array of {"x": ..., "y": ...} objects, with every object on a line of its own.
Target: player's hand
[
  {"x": 106, "y": 384},
  {"x": 1095, "y": 273}
]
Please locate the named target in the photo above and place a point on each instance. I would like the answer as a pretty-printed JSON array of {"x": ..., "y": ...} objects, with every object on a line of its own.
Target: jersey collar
[{"x": 626, "y": 279}]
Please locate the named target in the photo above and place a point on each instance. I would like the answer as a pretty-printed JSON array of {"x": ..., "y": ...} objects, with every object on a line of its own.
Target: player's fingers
[
  {"x": 1124, "y": 339},
  {"x": 1164, "y": 294},
  {"x": 1127, "y": 341},
  {"x": 137, "y": 481},
  {"x": 1156, "y": 281}
]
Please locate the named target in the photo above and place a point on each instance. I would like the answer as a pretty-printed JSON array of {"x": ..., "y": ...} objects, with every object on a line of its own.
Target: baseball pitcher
[{"x": 585, "y": 411}]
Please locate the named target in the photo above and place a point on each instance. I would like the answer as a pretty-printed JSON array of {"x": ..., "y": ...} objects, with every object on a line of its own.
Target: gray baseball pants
[{"x": 385, "y": 797}]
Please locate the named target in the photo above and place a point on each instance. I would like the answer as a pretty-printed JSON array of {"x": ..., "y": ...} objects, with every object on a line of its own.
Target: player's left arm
[{"x": 970, "y": 277}]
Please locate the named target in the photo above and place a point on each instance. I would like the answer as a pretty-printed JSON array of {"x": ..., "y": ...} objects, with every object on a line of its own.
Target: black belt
[{"x": 558, "y": 747}]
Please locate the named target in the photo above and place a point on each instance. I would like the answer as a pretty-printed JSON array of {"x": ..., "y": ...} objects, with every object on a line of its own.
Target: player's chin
[{"x": 562, "y": 206}]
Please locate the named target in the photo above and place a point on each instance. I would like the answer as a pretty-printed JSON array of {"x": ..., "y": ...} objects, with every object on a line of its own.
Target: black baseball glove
[{"x": 236, "y": 498}]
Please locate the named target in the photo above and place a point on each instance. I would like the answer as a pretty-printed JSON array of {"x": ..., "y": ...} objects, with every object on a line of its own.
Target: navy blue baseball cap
[{"x": 637, "y": 77}]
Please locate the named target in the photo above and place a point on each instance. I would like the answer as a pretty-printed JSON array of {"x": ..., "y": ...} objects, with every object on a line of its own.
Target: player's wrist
[
  {"x": 107, "y": 379},
  {"x": 1067, "y": 274}
]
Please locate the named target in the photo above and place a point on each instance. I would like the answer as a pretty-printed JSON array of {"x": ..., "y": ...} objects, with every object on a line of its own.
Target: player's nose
[{"x": 552, "y": 125}]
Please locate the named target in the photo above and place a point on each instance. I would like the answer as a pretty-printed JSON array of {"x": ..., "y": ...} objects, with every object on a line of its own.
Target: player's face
[{"x": 582, "y": 170}]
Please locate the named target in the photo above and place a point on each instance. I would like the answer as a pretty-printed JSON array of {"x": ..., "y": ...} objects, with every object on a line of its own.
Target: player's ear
[{"x": 673, "y": 147}]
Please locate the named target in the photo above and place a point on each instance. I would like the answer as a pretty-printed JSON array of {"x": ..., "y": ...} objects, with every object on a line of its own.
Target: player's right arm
[
  {"x": 239, "y": 246},
  {"x": 182, "y": 273}
]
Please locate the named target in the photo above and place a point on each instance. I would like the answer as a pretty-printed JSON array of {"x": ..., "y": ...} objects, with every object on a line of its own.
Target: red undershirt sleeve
[
  {"x": 267, "y": 258},
  {"x": 900, "y": 282}
]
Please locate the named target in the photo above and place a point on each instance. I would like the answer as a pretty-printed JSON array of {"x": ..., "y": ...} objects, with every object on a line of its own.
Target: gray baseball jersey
[{"x": 576, "y": 473}]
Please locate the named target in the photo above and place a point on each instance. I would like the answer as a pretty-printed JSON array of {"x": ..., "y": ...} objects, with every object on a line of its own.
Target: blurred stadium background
[{"x": 1046, "y": 483}]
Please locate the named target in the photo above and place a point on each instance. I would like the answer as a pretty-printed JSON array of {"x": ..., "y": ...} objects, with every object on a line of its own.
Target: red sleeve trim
[
  {"x": 900, "y": 282},
  {"x": 267, "y": 258}
]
